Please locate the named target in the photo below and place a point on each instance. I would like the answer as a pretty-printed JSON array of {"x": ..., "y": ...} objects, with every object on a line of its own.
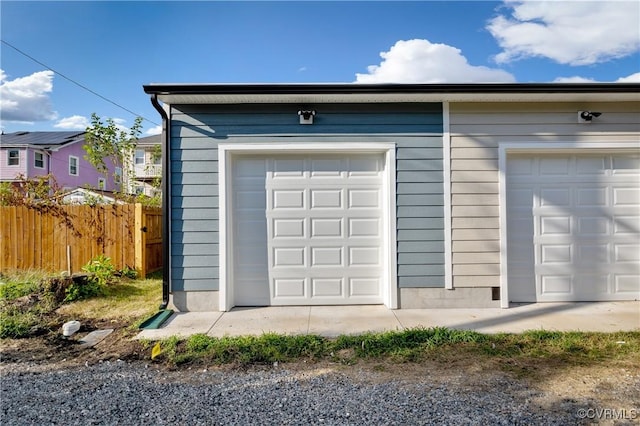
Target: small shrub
[
  {"x": 101, "y": 273},
  {"x": 101, "y": 270}
]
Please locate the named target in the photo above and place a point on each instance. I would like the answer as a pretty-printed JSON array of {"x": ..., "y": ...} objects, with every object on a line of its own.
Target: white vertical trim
[
  {"x": 502, "y": 203},
  {"x": 225, "y": 300},
  {"x": 391, "y": 299},
  {"x": 446, "y": 171}
]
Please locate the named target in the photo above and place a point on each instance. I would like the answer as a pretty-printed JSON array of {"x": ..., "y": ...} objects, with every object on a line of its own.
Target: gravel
[{"x": 122, "y": 393}]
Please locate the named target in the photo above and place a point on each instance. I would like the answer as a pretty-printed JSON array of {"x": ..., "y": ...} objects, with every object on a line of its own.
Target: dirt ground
[{"x": 606, "y": 386}]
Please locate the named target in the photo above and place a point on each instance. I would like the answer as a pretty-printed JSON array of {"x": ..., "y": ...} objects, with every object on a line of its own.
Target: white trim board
[
  {"x": 225, "y": 159},
  {"x": 504, "y": 149}
]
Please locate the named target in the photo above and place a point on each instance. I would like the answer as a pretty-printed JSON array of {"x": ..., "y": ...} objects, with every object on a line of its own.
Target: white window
[
  {"x": 138, "y": 190},
  {"x": 102, "y": 183},
  {"x": 38, "y": 160},
  {"x": 13, "y": 159},
  {"x": 73, "y": 165},
  {"x": 139, "y": 156},
  {"x": 117, "y": 175}
]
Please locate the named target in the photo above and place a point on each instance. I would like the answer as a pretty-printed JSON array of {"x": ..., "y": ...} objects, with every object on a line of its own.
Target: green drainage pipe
[{"x": 156, "y": 320}]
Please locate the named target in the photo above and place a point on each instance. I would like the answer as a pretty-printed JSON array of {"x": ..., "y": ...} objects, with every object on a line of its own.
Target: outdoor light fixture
[
  {"x": 587, "y": 116},
  {"x": 306, "y": 116}
]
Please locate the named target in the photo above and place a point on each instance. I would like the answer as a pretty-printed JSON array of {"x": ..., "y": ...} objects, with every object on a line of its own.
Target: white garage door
[
  {"x": 308, "y": 229},
  {"x": 573, "y": 226}
]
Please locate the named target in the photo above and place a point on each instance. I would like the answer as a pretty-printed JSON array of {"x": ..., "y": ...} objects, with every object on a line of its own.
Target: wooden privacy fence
[{"x": 65, "y": 238}]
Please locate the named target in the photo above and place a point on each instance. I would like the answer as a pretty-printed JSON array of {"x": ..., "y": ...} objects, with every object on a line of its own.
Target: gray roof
[
  {"x": 150, "y": 140},
  {"x": 41, "y": 139}
]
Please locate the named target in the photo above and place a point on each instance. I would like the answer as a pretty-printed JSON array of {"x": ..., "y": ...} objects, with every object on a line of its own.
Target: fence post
[{"x": 140, "y": 241}]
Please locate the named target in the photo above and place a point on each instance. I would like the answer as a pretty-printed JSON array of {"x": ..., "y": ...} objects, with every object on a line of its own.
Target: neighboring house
[
  {"x": 28, "y": 155},
  {"x": 146, "y": 167},
  {"x": 88, "y": 196},
  {"x": 411, "y": 196}
]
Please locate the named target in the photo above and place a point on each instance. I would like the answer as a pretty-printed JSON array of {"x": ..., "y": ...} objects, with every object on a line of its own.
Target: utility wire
[{"x": 76, "y": 83}]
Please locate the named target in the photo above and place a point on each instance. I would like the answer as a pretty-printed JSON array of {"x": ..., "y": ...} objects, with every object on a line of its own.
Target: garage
[
  {"x": 573, "y": 227},
  {"x": 308, "y": 229}
]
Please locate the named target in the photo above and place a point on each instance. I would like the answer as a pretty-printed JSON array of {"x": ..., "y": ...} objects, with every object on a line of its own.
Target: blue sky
[{"x": 113, "y": 48}]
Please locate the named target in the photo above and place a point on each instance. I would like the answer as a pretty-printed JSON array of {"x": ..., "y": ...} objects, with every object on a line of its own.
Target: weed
[{"x": 20, "y": 283}]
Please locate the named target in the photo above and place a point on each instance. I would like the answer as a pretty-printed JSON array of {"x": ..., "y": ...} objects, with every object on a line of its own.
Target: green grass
[
  {"x": 27, "y": 310},
  {"x": 28, "y": 305},
  {"x": 412, "y": 345},
  {"x": 21, "y": 283}
]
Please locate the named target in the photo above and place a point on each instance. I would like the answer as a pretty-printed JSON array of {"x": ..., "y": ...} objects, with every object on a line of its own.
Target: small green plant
[
  {"x": 130, "y": 273},
  {"x": 101, "y": 273}
]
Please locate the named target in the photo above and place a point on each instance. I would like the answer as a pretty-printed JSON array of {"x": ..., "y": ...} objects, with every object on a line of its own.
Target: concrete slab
[
  {"x": 182, "y": 324},
  {"x": 257, "y": 321},
  {"x": 333, "y": 321},
  {"x": 569, "y": 316}
]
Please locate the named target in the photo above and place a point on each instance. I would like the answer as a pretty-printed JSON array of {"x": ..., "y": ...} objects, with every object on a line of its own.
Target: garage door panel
[
  {"x": 288, "y": 199},
  {"x": 627, "y": 164},
  {"x": 626, "y": 225},
  {"x": 593, "y": 255},
  {"x": 289, "y": 256},
  {"x": 592, "y": 197},
  {"x": 290, "y": 287},
  {"x": 326, "y": 198},
  {"x": 554, "y": 225},
  {"x": 627, "y": 252},
  {"x": 626, "y": 196},
  {"x": 555, "y": 197},
  {"x": 327, "y": 287},
  {"x": 554, "y": 285},
  {"x": 584, "y": 242},
  {"x": 593, "y": 226},
  {"x": 627, "y": 284},
  {"x": 288, "y": 228},
  {"x": 589, "y": 166},
  {"x": 364, "y": 287},
  {"x": 327, "y": 227},
  {"x": 554, "y": 253}
]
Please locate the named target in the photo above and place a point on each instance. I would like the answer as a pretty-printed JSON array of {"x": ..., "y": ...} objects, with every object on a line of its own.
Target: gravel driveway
[{"x": 122, "y": 393}]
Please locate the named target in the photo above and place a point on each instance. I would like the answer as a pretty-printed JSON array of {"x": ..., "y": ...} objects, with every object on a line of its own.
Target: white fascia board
[{"x": 393, "y": 97}]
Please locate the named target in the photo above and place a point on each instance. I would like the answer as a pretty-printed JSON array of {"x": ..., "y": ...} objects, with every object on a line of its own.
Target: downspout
[{"x": 166, "y": 199}]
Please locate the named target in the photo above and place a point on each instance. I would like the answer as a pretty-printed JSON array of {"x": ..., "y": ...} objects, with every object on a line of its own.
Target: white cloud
[
  {"x": 420, "y": 61},
  {"x": 154, "y": 131},
  {"x": 26, "y": 99},
  {"x": 568, "y": 32},
  {"x": 73, "y": 122},
  {"x": 633, "y": 78},
  {"x": 574, "y": 79}
]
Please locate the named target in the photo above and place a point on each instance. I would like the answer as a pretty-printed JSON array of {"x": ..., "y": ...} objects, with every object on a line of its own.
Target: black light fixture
[
  {"x": 306, "y": 116},
  {"x": 587, "y": 116}
]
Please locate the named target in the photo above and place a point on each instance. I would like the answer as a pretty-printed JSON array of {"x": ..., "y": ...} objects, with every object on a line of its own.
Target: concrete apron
[{"x": 332, "y": 321}]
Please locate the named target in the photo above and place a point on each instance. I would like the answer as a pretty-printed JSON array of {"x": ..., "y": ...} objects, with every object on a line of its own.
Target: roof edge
[{"x": 357, "y": 88}]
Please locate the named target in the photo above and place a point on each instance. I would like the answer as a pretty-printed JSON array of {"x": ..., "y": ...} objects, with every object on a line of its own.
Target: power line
[{"x": 76, "y": 83}]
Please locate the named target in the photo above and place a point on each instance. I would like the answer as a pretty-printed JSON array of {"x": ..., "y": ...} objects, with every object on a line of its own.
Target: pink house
[{"x": 32, "y": 154}]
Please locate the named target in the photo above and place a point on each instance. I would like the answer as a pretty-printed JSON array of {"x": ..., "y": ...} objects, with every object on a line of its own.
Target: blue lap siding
[{"x": 196, "y": 130}]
